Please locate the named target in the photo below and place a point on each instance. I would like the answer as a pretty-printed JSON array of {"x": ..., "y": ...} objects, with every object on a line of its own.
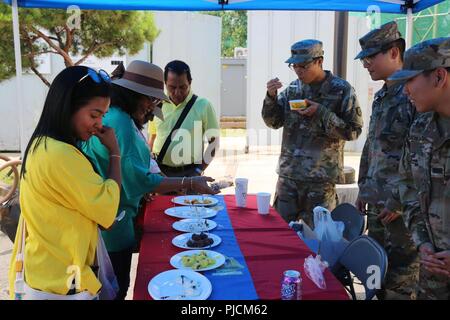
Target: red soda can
[{"x": 291, "y": 286}]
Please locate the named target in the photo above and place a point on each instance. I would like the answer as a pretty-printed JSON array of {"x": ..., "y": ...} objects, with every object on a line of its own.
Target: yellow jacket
[{"x": 63, "y": 201}]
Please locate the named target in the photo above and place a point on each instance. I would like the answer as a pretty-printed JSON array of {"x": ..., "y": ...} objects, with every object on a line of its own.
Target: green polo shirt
[{"x": 187, "y": 146}]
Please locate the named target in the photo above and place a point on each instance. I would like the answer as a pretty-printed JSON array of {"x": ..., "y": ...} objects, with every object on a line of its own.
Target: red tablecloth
[{"x": 269, "y": 246}]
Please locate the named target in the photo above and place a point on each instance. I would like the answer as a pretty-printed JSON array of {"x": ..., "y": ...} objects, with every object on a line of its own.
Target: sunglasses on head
[{"x": 97, "y": 77}]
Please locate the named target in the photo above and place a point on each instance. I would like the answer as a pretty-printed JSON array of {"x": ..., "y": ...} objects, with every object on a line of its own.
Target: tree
[
  {"x": 72, "y": 33},
  {"x": 234, "y": 30}
]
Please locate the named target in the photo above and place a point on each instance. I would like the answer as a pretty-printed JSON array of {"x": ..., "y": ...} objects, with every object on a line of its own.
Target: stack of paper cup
[
  {"x": 263, "y": 202},
  {"x": 241, "y": 185}
]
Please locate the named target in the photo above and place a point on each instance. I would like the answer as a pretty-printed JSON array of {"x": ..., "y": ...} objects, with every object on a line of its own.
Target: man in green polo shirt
[{"x": 184, "y": 154}]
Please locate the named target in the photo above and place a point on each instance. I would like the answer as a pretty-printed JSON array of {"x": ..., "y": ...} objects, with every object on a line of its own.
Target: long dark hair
[{"x": 67, "y": 94}]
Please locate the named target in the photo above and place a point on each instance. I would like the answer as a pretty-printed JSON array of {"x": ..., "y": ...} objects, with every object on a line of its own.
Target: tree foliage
[
  {"x": 54, "y": 31},
  {"x": 234, "y": 30}
]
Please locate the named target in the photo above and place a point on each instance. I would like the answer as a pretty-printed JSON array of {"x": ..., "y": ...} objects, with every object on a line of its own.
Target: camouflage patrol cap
[
  {"x": 427, "y": 55},
  {"x": 305, "y": 51},
  {"x": 378, "y": 40}
]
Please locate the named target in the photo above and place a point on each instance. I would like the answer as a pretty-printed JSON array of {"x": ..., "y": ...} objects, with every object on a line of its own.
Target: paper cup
[
  {"x": 263, "y": 202},
  {"x": 298, "y": 104},
  {"x": 241, "y": 185}
]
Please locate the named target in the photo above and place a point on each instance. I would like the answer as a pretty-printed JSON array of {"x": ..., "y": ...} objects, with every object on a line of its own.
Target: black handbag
[{"x": 9, "y": 216}]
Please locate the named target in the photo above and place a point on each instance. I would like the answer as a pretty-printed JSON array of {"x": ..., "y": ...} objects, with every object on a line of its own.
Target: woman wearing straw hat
[{"x": 137, "y": 92}]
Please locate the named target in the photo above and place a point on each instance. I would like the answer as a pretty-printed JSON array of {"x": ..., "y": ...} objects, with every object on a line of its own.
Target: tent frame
[
  {"x": 409, "y": 5},
  {"x": 18, "y": 58}
]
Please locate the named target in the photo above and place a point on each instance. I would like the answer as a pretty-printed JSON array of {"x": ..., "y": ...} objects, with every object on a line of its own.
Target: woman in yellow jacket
[{"x": 63, "y": 200}]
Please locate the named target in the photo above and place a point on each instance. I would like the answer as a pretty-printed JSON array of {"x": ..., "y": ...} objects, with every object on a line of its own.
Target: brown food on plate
[
  {"x": 197, "y": 201},
  {"x": 199, "y": 241}
]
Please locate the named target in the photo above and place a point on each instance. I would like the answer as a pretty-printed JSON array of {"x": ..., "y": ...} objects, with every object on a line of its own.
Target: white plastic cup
[
  {"x": 263, "y": 202},
  {"x": 241, "y": 186}
]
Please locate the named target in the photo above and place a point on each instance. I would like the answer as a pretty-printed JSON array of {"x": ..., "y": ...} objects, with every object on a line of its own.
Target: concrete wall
[
  {"x": 234, "y": 87},
  {"x": 33, "y": 97},
  {"x": 270, "y": 35},
  {"x": 359, "y": 78},
  {"x": 187, "y": 36},
  {"x": 195, "y": 39},
  {"x": 35, "y": 92}
]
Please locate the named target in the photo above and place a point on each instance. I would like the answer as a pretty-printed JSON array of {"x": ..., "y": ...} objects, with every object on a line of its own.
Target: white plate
[
  {"x": 191, "y": 212},
  {"x": 168, "y": 286},
  {"x": 194, "y": 225},
  {"x": 181, "y": 240},
  {"x": 175, "y": 261},
  {"x": 181, "y": 200}
]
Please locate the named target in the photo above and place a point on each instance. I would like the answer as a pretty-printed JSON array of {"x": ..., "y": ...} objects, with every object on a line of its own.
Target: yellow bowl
[{"x": 298, "y": 104}]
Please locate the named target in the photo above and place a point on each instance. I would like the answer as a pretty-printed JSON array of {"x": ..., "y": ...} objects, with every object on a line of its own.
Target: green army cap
[
  {"x": 427, "y": 55},
  {"x": 378, "y": 40},
  {"x": 305, "y": 51}
]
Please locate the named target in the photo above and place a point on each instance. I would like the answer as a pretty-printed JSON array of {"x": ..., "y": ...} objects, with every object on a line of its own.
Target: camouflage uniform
[
  {"x": 392, "y": 116},
  {"x": 425, "y": 168},
  {"x": 311, "y": 156}
]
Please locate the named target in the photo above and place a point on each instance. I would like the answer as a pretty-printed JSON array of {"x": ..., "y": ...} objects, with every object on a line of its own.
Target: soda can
[{"x": 291, "y": 286}]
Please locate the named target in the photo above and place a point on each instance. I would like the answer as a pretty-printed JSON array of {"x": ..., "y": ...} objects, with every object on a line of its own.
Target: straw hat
[{"x": 145, "y": 78}]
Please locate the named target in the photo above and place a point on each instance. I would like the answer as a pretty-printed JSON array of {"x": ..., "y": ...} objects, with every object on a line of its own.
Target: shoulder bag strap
[{"x": 180, "y": 120}]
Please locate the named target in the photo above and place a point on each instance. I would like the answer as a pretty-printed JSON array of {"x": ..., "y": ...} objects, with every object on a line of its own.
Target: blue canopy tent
[
  {"x": 386, "y": 6},
  {"x": 407, "y": 7}
]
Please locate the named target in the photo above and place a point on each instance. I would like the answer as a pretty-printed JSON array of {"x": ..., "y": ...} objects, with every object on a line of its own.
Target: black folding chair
[
  {"x": 354, "y": 221},
  {"x": 367, "y": 260}
]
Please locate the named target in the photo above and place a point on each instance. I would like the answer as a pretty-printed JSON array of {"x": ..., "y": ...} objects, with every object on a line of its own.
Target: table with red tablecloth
[{"x": 266, "y": 242}]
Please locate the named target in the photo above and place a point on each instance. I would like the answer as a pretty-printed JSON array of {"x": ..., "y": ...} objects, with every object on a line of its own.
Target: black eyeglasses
[
  {"x": 97, "y": 77},
  {"x": 294, "y": 66},
  {"x": 369, "y": 60}
]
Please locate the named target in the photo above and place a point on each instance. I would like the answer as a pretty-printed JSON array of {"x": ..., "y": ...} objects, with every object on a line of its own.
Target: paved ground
[
  {"x": 258, "y": 166},
  {"x": 5, "y": 256}
]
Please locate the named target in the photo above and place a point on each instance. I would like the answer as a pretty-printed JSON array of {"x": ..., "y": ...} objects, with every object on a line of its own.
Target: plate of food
[
  {"x": 194, "y": 225},
  {"x": 197, "y": 260},
  {"x": 191, "y": 212},
  {"x": 179, "y": 285},
  {"x": 196, "y": 200},
  {"x": 196, "y": 240}
]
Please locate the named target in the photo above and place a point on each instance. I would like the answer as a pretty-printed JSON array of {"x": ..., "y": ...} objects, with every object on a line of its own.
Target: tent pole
[
  {"x": 18, "y": 58},
  {"x": 409, "y": 28},
  {"x": 340, "y": 44}
]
